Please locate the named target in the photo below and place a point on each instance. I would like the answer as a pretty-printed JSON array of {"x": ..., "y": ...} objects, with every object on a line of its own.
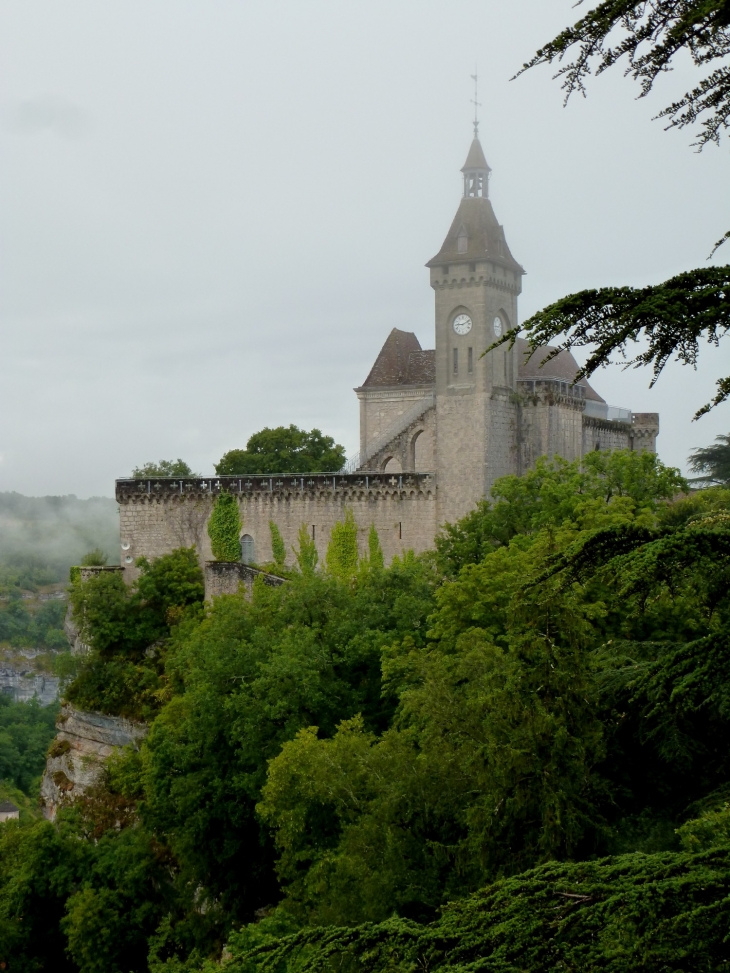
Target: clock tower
[{"x": 476, "y": 282}]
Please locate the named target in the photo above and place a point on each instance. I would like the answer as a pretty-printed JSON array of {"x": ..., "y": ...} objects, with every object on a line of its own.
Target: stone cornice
[
  {"x": 395, "y": 391},
  {"x": 312, "y": 485},
  {"x": 479, "y": 280}
]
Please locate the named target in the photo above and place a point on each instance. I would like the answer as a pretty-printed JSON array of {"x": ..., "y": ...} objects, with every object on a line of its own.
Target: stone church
[{"x": 437, "y": 426}]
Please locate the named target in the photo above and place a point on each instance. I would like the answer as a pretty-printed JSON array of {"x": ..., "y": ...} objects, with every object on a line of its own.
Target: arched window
[{"x": 247, "y": 549}]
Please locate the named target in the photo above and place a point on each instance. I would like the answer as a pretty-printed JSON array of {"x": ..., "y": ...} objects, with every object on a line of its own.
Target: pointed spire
[{"x": 476, "y": 172}]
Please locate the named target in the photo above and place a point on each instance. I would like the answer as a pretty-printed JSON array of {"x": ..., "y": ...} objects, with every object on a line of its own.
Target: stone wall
[
  {"x": 380, "y": 408},
  {"x": 603, "y": 434},
  {"x": 76, "y": 757},
  {"x": 158, "y": 515},
  {"x": 412, "y": 450},
  {"x": 227, "y": 578}
]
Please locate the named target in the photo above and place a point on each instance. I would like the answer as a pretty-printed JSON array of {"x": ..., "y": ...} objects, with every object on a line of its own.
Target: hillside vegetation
[{"x": 510, "y": 754}]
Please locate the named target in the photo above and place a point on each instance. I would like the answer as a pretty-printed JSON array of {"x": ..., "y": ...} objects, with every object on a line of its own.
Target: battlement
[{"x": 312, "y": 485}]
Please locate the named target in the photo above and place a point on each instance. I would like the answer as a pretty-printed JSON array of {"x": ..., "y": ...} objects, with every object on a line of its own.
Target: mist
[{"x": 212, "y": 215}]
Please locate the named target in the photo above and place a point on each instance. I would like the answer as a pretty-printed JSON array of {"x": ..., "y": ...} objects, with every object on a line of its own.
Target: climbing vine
[
  {"x": 224, "y": 528},
  {"x": 342, "y": 548},
  {"x": 278, "y": 548}
]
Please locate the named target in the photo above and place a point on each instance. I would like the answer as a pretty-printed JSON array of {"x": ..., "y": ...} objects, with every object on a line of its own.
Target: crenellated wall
[{"x": 158, "y": 515}]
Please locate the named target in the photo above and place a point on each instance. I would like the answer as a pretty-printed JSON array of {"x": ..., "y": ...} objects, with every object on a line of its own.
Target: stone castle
[{"x": 437, "y": 427}]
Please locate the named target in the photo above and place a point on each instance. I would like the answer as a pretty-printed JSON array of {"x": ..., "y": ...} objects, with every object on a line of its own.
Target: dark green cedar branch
[
  {"x": 649, "y": 33},
  {"x": 671, "y": 317}
]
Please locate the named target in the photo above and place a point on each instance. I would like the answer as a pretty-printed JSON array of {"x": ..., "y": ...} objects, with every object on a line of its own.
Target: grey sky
[{"x": 212, "y": 213}]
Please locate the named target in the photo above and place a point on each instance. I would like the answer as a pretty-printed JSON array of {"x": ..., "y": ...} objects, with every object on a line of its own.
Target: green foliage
[
  {"x": 26, "y": 729},
  {"x": 342, "y": 553},
  {"x": 121, "y": 623},
  {"x": 713, "y": 462},
  {"x": 306, "y": 555},
  {"x": 653, "y": 913},
  {"x": 668, "y": 319},
  {"x": 224, "y": 528},
  {"x": 95, "y": 557},
  {"x": 166, "y": 467},
  {"x": 376, "y": 561},
  {"x": 285, "y": 449},
  {"x": 372, "y": 744},
  {"x": 650, "y": 36},
  {"x": 33, "y": 625},
  {"x": 244, "y": 681},
  {"x": 278, "y": 548},
  {"x": 74, "y": 905},
  {"x": 598, "y": 488}
]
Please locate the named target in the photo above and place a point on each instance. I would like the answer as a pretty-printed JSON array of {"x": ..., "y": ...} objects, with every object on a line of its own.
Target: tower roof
[
  {"x": 476, "y": 158},
  {"x": 475, "y": 234}
]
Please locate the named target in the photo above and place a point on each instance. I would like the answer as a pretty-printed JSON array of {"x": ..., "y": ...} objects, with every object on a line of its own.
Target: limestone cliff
[{"x": 76, "y": 758}]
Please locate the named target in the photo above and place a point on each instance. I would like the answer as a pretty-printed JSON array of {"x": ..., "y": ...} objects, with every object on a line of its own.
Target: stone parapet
[
  {"x": 227, "y": 577},
  {"x": 312, "y": 485}
]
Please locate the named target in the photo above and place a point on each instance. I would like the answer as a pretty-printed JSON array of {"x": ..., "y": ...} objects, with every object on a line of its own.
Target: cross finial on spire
[{"x": 477, "y": 104}]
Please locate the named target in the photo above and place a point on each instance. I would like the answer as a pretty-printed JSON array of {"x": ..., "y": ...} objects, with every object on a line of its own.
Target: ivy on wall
[
  {"x": 306, "y": 556},
  {"x": 375, "y": 551},
  {"x": 342, "y": 548},
  {"x": 224, "y": 528},
  {"x": 278, "y": 548}
]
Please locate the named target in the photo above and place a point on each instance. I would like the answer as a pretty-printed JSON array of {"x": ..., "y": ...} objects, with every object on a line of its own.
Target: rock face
[
  {"x": 77, "y": 755},
  {"x": 24, "y": 683}
]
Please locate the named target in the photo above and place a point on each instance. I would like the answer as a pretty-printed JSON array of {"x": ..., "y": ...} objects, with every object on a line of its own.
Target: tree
[
  {"x": 286, "y": 449},
  {"x": 94, "y": 558},
  {"x": 166, "y": 467},
  {"x": 673, "y": 316},
  {"x": 650, "y": 35},
  {"x": 713, "y": 462}
]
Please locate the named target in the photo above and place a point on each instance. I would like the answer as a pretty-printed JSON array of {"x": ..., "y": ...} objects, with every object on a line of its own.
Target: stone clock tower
[{"x": 476, "y": 281}]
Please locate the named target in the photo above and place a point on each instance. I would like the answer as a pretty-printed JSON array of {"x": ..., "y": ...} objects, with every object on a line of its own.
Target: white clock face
[
  {"x": 498, "y": 326},
  {"x": 462, "y": 324}
]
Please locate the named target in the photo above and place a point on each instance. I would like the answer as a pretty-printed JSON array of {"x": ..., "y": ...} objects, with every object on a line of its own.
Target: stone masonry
[{"x": 437, "y": 426}]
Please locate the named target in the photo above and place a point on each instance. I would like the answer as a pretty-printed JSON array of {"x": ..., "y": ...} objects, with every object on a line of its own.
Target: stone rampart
[
  {"x": 227, "y": 577},
  {"x": 159, "y": 514}
]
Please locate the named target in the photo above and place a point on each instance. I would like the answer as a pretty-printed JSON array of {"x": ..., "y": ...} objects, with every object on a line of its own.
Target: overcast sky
[{"x": 212, "y": 213}]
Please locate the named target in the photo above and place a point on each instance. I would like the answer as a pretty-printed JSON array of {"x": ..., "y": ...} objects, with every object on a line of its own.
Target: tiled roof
[
  {"x": 402, "y": 361},
  {"x": 485, "y": 238},
  {"x": 6, "y": 806}
]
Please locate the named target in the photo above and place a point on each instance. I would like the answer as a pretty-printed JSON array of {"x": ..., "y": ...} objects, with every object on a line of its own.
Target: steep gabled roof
[{"x": 402, "y": 361}]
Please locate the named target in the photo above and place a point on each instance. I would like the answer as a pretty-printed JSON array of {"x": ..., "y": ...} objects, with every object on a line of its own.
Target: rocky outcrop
[
  {"x": 71, "y": 631},
  {"x": 77, "y": 755},
  {"x": 22, "y": 682}
]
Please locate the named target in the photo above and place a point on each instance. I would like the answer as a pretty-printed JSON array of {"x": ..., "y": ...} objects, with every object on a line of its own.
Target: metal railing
[
  {"x": 612, "y": 413},
  {"x": 403, "y": 421}
]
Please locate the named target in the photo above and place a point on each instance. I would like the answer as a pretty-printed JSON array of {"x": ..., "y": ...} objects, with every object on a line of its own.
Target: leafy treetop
[
  {"x": 286, "y": 449},
  {"x": 166, "y": 467}
]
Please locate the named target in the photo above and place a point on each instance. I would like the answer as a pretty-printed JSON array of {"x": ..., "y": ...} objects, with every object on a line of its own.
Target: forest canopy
[{"x": 529, "y": 722}]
